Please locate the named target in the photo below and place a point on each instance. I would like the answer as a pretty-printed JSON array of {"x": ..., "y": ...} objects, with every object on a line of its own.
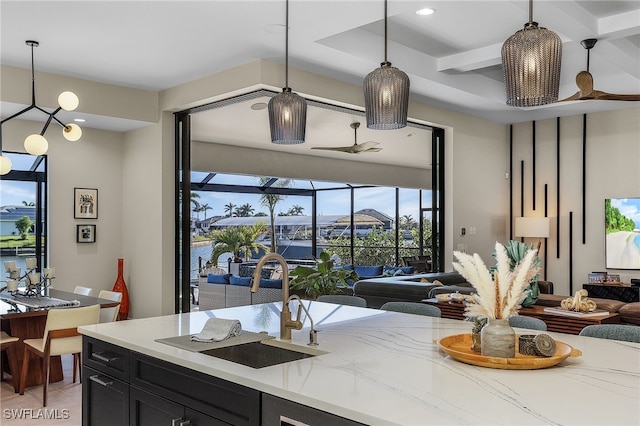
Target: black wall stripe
[
  {"x": 570, "y": 252},
  {"x": 546, "y": 214},
  {"x": 522, "y": 191},
  {"x": 533, "y": 165},
  {"x": 511, "y": 182},
  {"x": 558, "y": 188},
  {"x": 584, "y": 178}
]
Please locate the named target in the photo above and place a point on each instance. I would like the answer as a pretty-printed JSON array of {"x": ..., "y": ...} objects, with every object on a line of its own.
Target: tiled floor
[{"x": 64, "y": 402}]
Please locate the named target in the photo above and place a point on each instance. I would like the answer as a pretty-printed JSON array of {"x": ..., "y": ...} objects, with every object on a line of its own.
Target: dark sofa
[{"x": 409, "y": 288}]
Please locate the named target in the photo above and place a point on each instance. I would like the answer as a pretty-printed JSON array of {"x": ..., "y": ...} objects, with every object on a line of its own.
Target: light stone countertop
[{"x": 386, "y": 368}]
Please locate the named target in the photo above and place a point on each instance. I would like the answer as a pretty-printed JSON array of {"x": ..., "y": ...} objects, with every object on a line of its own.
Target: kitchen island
[{"x": 387, "y": 368}]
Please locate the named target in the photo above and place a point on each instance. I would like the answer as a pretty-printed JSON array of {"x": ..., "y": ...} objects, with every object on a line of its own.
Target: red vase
[{"x": 121, "y": 287}]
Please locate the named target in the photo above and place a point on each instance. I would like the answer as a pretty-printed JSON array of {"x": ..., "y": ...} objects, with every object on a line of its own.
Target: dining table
[{"x": 25, "y": 318}]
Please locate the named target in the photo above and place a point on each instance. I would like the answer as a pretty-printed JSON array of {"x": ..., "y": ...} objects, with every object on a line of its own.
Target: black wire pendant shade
[
  {"x": 386, "y": 93},
  {"x": 531, "y": 60},
  {"x": 287, "y": 110}
]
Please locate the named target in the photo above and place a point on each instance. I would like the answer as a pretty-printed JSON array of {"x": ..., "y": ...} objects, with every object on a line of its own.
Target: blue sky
[{"x": 629, "y": 207}]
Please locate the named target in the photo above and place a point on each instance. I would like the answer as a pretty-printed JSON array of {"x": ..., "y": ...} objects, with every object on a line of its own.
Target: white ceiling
[{"x": 451, "y": 57}]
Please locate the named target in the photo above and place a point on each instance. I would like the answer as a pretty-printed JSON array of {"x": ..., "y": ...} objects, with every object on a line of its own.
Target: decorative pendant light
[
  {"x": 386, "y": 93},
  {"x": 287, "y": 110},
  {"x": 531, "y": 62},
  {"x": 36, "y": 144}
]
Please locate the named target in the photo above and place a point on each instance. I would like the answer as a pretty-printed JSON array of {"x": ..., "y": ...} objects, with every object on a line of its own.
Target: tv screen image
[{"x": 622, "y": 228}]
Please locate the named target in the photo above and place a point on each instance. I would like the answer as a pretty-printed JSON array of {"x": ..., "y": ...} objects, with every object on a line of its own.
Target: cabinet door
[
  {"x": 105, "y": 399},
  {"x": 152, "y": 410}
]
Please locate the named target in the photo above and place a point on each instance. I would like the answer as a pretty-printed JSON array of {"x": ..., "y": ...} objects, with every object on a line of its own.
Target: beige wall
[{"x": 134, "y": 174}]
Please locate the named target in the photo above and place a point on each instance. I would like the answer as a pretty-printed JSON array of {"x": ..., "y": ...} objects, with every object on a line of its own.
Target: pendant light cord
[
  {"x": 286, "y": 47},
  {"x": 33, "y": 77},
  {"x": 385, "y": 31},
  {"x": 530, "y": 11}
]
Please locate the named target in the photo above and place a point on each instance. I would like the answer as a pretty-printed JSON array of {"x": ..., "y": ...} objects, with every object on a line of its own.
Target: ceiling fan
[
  {"x": 584, "y": 81},
  {"x": 369, "y": 146}
]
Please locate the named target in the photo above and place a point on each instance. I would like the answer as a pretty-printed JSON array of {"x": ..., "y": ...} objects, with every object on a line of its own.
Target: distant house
[
  {"x": 9, "y": 215},
  {"x": 204, "y": 226}
]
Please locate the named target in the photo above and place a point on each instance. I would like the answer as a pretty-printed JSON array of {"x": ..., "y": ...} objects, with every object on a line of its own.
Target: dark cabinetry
[{"x": 624, "y": 293}]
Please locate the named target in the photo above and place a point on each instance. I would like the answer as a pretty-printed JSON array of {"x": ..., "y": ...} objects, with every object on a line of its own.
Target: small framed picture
[
  {"x": 86, "y": 233},
  {"x": 85, "y": 203},
  {"x": 596, "y": 278},
  {"x": 613, "y": 278}
]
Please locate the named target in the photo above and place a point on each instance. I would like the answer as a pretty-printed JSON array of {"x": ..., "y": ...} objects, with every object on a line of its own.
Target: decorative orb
[
  {"x": 68, "y": 101},
  {"x": 72, "y": 132},
  {"x": 5, "y": 165},
  {"x": 36, "y": 144}
]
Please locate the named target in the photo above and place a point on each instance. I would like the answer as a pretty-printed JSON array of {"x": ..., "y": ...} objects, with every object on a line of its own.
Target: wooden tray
[{"x": 459, "y": 347}]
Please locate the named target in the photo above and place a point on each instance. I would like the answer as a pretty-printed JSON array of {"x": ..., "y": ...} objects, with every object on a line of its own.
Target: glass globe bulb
[
  {"x": 72, "y": 132},
  {"x": 5, "y": 165},
  {"x": 68, "y": 101},
  {"x": 36, "y": 144}
]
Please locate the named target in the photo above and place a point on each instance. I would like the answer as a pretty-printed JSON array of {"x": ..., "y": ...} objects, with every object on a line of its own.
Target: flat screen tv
[{"x": 622, "y": 233}]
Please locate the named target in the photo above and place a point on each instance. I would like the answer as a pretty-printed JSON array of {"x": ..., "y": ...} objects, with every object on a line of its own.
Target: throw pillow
[
  {"x": 243, "y": 281},
  {"x": 218, "y": 278},
  {"x": 270, "y": 283}
]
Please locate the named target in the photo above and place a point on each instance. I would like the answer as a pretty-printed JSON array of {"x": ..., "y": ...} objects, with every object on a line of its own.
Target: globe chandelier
[{"x": 37, "y": 144}]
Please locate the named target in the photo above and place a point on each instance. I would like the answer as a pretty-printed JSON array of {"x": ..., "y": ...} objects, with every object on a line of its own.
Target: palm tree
[
  {"x": 197, "y": 209},
  {"x": 244, "y": 210},
  {"x": 228, "y": 208},
  {"x": 249, "y": 235},
  {"x": 296, "y": 211},
  {"x": 28, "y": 204},
  {"x": 204, "y": 208},
  {"x": 270, "y": 201},
  {"x": 227, "y": 240}
]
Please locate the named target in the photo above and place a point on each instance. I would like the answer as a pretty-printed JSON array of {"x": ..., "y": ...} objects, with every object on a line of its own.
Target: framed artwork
[
  {"x": 613, "y": 278},
  {"x": 596, "y": 278},
  {"x": 86, "y": 233},
  {"x": 85, "y": 203}
]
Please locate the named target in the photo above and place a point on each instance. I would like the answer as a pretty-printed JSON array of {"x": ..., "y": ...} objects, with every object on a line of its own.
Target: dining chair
[
  {"x": 343, "y": 299},
  {"x": 7, "y": 343},
  {"x": 530, "y": 323},
  {"x": 85, "y": 291},
  {"x": 626, "y": 333},
  {"x": 412, "y": 308},
  {"x": 109, "y": 314},
  {"x": 60, "y": 337}
]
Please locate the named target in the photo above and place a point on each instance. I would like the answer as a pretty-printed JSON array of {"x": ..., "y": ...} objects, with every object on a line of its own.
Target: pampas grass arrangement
[{"x": 496, "y": 297}]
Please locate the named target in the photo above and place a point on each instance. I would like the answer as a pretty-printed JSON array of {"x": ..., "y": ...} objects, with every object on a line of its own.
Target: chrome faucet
[{"x": 286, "y": 323}]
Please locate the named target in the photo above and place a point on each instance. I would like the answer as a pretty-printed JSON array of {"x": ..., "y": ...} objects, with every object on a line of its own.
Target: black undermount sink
[{"x": 257, "y": 354}]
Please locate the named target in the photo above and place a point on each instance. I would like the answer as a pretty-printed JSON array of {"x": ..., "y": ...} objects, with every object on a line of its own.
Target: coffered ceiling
[{"x": 452, "y": 57}]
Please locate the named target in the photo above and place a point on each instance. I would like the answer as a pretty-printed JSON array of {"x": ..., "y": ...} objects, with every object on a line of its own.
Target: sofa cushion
[
  {"x": 554, "y": 300},
  {"x": 243, "y": 281},
  {"x": 390, "y": 271},
  {"x": 368, "y": 271},
  {"x": 630, "y": 313},
  {"x": 218, "y": 278},
  {"x": 269, "y": 283}
]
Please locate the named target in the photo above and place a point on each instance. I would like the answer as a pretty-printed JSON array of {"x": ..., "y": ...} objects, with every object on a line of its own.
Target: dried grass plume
[{"x": 500, "y": 296}]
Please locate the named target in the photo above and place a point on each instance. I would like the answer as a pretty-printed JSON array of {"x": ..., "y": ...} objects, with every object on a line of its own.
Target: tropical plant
[
  {"x": 248, "y": 237},
  {"x": 204, "y": 208},
  {"x": 237, "y": 240},
  {"x": 24, "y": 225},
  {"x": 228, "y": 209},
  {"x": 517, "y": 250},
  {"x": 323, "y": 279},
  {"x": 28, "y": 204},
  {"x": 270, "y": 201},
  {"x": 244, "y": 210}
]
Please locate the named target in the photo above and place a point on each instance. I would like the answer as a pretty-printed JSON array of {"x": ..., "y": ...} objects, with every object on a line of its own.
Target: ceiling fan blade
[
  {"x": 365, "y": 146},
  {"x": 373, "y": 150},
  {"x": 584, "y": 81},
  {"x": 336, "y": 148}
]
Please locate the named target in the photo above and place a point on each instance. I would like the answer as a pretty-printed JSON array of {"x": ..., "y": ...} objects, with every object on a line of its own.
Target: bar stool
[{"x": 7, "y": 343}]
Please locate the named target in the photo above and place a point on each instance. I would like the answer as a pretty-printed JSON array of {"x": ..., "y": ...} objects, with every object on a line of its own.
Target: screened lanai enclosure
[{"x": 220, "y": 205}]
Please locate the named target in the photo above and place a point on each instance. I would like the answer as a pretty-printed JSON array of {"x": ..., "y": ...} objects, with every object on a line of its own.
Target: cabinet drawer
[
  {"x": 106, "y": 358},
  {"x": 220, "y": 399},
  {"x": 105, "y": 399}
]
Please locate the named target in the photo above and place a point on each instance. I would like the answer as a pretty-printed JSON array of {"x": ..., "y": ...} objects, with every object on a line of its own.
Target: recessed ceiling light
[
  {"x": 258, "y": 106},
  {"x": 79, "y": 120},
  {"x": 425, "y": 12}
]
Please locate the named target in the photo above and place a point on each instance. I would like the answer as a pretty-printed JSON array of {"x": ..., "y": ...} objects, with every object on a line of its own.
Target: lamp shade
[
  {"x": 535, "y": 227},
  {"x": 386, "y": 98},
  {"x": 68, "y": 101},
  {"x": 36, "y": 144},
  {"x": 5, "y": 165},
  {"x": 531, "y": 60},
  {"x": 72, "y": 132},
  {"x": 287, "y": 118}
]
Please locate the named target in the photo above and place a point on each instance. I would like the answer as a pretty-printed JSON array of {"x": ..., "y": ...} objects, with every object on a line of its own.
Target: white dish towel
[{"x": 217, "y": 329}]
